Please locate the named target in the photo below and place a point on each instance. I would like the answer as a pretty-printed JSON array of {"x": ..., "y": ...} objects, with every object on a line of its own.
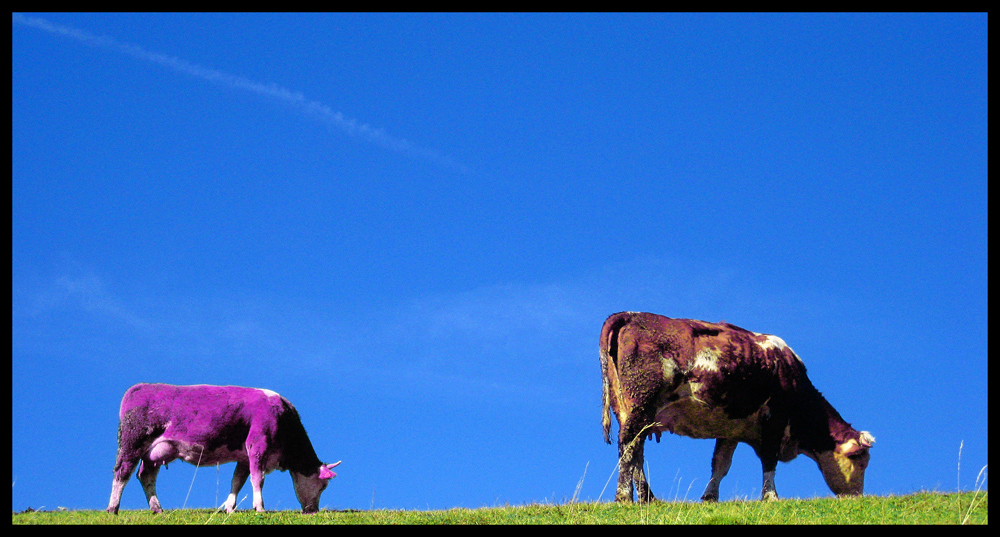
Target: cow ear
[{"x": 324, "y": 471}]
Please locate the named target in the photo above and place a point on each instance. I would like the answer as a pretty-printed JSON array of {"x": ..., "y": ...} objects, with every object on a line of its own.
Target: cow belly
[
  {"x": 695, "y": 419},
  {"x": 166, "y": 450}
]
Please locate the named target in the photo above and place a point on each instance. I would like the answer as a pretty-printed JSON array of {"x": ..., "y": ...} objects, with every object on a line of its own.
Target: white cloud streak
[
  {"x": 88, "y": 293},
  {"x": 311, "y": 108}
]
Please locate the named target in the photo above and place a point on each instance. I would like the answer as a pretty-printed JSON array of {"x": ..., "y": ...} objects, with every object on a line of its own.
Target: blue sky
[{"x": 413, "y": 227}]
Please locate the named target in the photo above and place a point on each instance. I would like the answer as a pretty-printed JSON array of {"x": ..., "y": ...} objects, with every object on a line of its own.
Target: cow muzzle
[{"x": 844, "y": 467}]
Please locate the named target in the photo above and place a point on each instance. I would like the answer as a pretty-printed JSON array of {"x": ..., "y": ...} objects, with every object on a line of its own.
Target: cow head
[
  {"x": 309, "y": 487},
  {"x": 844, "y": 467}
]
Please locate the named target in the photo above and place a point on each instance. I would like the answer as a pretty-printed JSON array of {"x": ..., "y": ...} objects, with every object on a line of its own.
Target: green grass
[{"x": 919, "y": 508}]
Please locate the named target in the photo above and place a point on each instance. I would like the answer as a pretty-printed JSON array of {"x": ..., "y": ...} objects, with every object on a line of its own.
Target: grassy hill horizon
[{"x": 915, "y": 508}]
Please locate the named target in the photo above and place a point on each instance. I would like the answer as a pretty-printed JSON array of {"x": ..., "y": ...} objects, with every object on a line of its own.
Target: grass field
[{"x": 920, "y": 508}]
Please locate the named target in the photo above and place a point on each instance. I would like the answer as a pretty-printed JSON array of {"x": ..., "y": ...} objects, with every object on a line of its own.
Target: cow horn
[{"x": 866, "y": 439}]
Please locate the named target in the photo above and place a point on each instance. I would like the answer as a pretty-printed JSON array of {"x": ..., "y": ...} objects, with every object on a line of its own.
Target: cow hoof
[{"x": 709, "y": 499}]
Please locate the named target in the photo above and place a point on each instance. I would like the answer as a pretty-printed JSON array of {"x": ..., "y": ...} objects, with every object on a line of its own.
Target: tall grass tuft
[
  {"x": 579, "y": 485},
  {"x": 980, "y": 482}
]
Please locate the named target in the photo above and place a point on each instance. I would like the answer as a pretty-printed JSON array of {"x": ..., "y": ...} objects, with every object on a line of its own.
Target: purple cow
[{"x": 208, "y": 425}]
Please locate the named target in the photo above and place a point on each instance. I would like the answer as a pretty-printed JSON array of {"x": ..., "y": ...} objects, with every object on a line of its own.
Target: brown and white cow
[{"x": 716, "y": 380}]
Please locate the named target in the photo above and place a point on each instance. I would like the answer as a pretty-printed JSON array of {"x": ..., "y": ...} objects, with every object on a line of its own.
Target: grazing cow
[
  {"x": 708, "y": 380},
  {"x": 207, "y": 425}
]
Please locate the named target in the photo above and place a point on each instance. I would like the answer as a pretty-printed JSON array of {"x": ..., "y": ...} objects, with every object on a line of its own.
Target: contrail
[{"x": 297, "y": 100}]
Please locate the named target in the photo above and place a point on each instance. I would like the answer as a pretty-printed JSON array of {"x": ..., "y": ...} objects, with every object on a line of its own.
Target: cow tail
[
  {"x": 609, "y": 366},
  {"x": 606, "y": 396}
]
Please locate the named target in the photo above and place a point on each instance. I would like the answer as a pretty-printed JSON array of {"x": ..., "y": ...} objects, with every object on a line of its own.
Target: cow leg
[
  {"x": 239, "y": 479},
  {"x": 625, "y": 456},
  {"x": 767, "y": 490},
  {"x": 147, "y": 477},
  {"x": 624, "y": 491},
  {"x": 160, "y": 453},
  {"x": 257, "y": 482},
  {"x": 124, "y": 467},
  {"x": 768, "y": 452},
  {"x": 631, "y": 443},
  {"x": 256, "y": 453},
  {"x": 642, "y": 491},
  {"x": 722, "y": 459},
  {"x": 133, "y": 441}
]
